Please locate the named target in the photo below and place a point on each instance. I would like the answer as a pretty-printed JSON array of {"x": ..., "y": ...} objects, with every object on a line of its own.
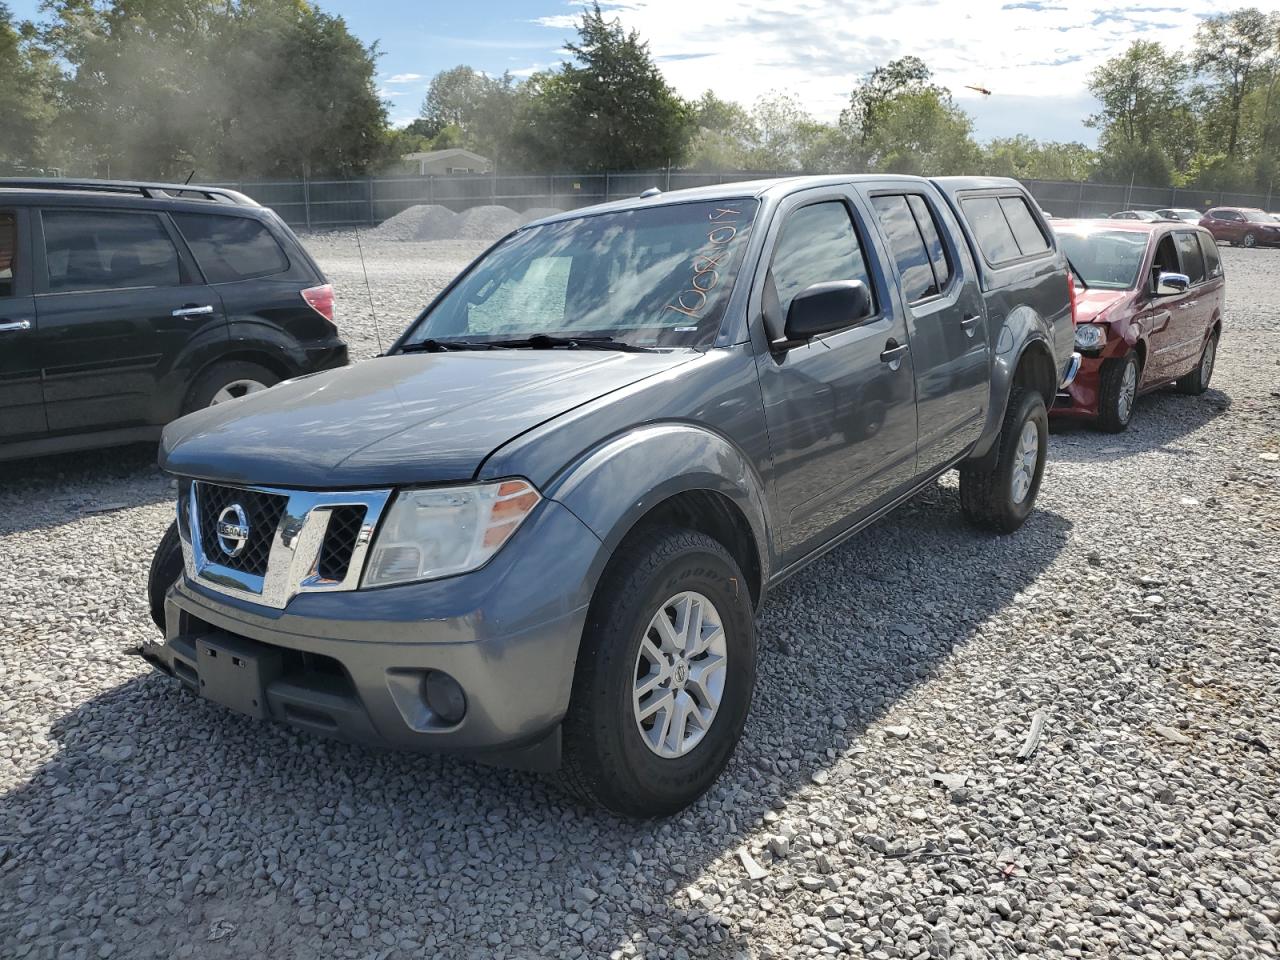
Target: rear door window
[
  {"x": 231, "y": 248},
  {"x": 108, "y": 250},
  {"x": 918, "y": 281},
  {"x": 1212, "y": 259},
  {"x": 991, "y": 229},
  {"x": 1031, "y": 240},
  {"x": 927, "y": 221},
  {"x": 8, "y": 251},
  {"x": 818, "y": 244},
  {"x": 1192, "y": 258}
]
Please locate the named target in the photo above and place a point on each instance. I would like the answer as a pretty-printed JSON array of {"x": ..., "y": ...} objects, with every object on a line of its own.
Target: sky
[{"x": 1033, "y": 55}]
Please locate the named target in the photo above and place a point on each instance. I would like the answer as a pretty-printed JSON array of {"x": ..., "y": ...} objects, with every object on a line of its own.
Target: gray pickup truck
[{"x": 537, "y": 531}]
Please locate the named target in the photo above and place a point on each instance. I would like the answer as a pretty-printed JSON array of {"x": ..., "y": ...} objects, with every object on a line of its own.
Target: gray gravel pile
[
  {"x": 1062, "y": 743},
  {"x": 487, "y": 223},
  {"x": 426, "y": 221}
]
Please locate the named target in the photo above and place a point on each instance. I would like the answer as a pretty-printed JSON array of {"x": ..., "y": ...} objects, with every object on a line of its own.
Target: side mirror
[
  {"x": 1169, "y": 284},
  {"x": 825, "y": 307}
]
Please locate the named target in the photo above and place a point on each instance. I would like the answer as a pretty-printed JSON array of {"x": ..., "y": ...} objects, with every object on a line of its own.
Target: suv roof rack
[{"x": 143, "y": 187}]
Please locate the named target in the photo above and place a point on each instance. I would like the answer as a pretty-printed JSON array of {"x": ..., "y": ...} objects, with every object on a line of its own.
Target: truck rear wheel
[
  {"x": 999, "y": 491},
  {"x": 166, "y": 567},
  {"x": 664, "y": 676}
]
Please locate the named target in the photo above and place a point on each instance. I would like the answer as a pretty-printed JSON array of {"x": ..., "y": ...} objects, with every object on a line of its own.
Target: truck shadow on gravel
[
  {"x": 46, "y": 492},
  {"x": 1161, "y": 420},
  {"x": 165, "y": 824}
]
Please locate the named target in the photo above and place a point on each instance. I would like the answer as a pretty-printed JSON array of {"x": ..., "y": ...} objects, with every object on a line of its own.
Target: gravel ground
[{"x": 881, "y": 788}]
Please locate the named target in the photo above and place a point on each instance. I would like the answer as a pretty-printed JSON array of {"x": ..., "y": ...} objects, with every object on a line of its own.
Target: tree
[
  {"x": 1029, "y": 159},
  {"x": 922, "y": 132},
  {"x": 466, "y": 108},
  {"x": 1230, "y": 47},
  {"x": 614, "y": 110},
  {"x": 873, "y": 95},
  {"x": 27, "y": 109}
]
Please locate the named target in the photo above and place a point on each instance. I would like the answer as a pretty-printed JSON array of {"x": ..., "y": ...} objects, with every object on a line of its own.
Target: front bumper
[
  {"x": 1079, "y": 397},
  {"x": 327, "y": 356},
  {"x": 353, "y": 665}
]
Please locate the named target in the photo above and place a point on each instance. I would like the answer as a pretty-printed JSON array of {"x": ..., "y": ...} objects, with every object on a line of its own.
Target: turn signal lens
[{"x": 435, "y": 532}]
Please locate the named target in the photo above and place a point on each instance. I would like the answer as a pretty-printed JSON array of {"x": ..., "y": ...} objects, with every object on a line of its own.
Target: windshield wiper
[
  {"x": 443, "y": 346},
  {"x": 1079, "y": 276},
  {"x": 545, "y": 341}
]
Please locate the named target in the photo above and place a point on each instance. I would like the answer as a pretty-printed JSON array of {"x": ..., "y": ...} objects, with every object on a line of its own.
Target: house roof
[{"x": 453, "y": 153}]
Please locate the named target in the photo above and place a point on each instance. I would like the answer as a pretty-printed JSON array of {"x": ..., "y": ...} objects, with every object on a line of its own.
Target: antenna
[
  {"x": 189, "y": 176},
  {"x": 373, "y": 311}
]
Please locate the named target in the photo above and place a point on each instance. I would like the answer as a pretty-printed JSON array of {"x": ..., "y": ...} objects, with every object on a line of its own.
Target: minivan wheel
[
  {"x": 1118, "y": 392},
  {"x": 228, "y": 381},
  {"x": 999, "y": 491},
  {"x": 166, "y": 567},
  {"x": 1197, "y": 381},
  {"x": 664, "y": 676}
]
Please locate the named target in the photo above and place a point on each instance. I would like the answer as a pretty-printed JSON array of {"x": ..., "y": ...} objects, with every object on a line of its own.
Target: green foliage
[
  {"x": 1026, "y": 158},
  {"x": 27, "y": 108}
]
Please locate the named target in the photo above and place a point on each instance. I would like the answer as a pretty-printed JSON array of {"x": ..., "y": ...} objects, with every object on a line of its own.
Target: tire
[
  {"x": 1249, "y": 240},
  {"x": 166, "y": 568},
  {"x": 1117, "y": 394},
  {"x": 240, "y": 376},
  {"x": 608, "y": 759},
  {"x": 987, "y": 492},
  {"x": 1197, "y": 381}
]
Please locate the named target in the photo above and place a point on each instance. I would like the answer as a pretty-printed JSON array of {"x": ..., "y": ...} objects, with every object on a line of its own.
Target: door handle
[
  {"x": 13, "y": 326},
  {"x": 192, "y": 311},
  {"x": 970, "y": 325},
  {"x": 893, "y": 353}
]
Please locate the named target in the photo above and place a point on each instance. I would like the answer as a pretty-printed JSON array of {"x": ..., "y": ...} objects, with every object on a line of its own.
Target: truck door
[
  {"x": 946, "y": 320},
  {"x": 21, "y": 399},
  {"x": 840, "y": 409}
]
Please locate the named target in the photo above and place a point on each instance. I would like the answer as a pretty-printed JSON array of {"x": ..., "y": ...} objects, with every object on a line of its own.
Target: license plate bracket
[{"x": 235, "y": 672}]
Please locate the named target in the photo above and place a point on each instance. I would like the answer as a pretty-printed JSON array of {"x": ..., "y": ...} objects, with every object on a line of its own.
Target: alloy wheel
[
  {"x": 1128, "y": 392},
  {"x": 1207, "y": 361},
  {"x": 1026, "y": 458},
  {"x": 680, "y": 674},
  {"x": 235, "y": 390}
]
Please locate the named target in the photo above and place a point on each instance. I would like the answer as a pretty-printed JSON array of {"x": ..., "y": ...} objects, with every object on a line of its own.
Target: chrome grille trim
[{"x": 296, "y": 545}]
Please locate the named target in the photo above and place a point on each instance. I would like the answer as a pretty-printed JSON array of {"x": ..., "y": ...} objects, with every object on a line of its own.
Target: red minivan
[
  {"x": 1246, "y": 226},
  {"x": 1149, "y": 313}
]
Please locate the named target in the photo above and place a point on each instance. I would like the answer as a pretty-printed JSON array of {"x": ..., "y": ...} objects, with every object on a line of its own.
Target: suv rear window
[
  {"x": 1192, "y": 258},
  {"x": 231, "y": 248},
  {"x": 100, "y": 250},
  {"x": 8, "y": 252},
  {"x": 1004, "y": 228},
  {"x": 1213, "y": 262}
]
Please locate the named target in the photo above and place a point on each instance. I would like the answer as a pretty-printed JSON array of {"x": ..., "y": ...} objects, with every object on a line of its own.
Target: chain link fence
[{"x": 327, "y": 204}]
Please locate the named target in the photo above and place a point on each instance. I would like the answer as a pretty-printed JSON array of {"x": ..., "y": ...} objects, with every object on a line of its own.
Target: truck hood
[
  {"x": 1091, "y": 303},
  {"x": 417, "y": 418}
]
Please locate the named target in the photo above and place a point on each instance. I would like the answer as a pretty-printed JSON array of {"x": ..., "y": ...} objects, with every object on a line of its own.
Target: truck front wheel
[
  {"x": 664, "y": 676},
  {"x": 998, "y": 491},
  {"x": 166, "y": 567}
]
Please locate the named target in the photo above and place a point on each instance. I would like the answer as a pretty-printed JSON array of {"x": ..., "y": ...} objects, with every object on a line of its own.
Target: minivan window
[
  {"x": 817, "y": 244},
  {"x": 8, "y": 252},
  {"x": 1212, "y": 260},
  {"x": 908, "y": 247},
  {"x": 927, "y": 220},
  {"x": 991, "y": 229},
  {"x": 1192, "y": 258},
  {"x": 656, "y": 276},
  {"x": 231, "y": 248},
  {"x": 1031, "y": 239},
  {"x": 101, "y": 250}
]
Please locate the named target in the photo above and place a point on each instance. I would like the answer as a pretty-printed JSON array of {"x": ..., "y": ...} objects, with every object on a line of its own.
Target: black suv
[{"x": 124, "y": 305}]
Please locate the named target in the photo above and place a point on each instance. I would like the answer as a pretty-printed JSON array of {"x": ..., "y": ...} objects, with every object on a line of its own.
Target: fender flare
[
  {"x": 1022, "y": 330},
  {"x": 614, "y": 485}
]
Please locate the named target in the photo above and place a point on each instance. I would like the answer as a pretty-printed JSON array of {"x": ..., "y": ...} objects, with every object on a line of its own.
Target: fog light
[{"x": 444, "y": 696}]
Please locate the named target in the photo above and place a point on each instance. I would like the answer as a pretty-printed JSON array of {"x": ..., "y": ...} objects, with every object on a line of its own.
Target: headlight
[
  {"x": 1090, "y": 336},
  {"x": 435, "y": 532}
]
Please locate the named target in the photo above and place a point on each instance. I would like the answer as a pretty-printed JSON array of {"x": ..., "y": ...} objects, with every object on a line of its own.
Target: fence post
[
  {"x": 306, "y": 200},
  {"x": 431, "y": 188},
  {"x": 369, "y": 186},
  {"x": 606, "y": 186},
  {"x": 1080, "y": 200}
]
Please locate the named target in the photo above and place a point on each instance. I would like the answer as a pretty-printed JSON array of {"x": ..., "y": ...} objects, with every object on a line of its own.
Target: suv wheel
[
  {"x": 998, "y": 491},
  {"x": 166, "y": 567},
  {"x": 1197, "y": 381},
  {"x": 228, "y": 381},
  {"x": 1117, "y": 392},
  {"x": 664, "y": 676}
]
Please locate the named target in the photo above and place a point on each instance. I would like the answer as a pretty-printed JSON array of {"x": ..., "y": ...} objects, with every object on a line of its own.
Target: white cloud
[
  {"x": 1021, "y": 50},
  {"x": 406, "y": 78}
]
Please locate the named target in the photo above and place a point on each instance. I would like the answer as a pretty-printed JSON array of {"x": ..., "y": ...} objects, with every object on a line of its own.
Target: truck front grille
[
  {"x": 340, "y": 541},
  {"x": 262, "y": 513}
]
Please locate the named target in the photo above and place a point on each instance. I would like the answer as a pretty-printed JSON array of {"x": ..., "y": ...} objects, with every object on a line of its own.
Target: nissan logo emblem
[{"x": 233, "y": 530}]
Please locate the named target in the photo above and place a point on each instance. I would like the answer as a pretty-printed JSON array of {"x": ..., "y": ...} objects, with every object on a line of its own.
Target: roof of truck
[{"x": 779, "y": 186}]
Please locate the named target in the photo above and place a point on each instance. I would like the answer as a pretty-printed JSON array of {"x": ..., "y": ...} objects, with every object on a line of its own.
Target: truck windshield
[
  {"x": 1106, "y": 259},
  {"x": 653, "y": 277}
]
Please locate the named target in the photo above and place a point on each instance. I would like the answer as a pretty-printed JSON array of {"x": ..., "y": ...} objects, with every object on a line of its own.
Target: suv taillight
[
  {"x": 1071, "y": 294},
  {"x": 320, "y": 299}
]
